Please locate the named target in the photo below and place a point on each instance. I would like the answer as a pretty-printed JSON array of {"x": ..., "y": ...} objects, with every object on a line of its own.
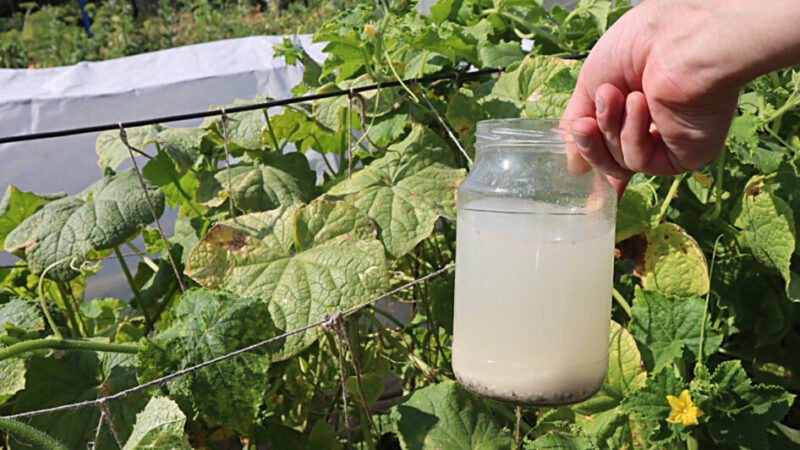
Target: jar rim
[{"x": 523, "y": 132}]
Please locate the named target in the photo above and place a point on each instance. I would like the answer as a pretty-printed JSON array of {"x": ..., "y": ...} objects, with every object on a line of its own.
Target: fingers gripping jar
[{"x": 534, "y": 269}]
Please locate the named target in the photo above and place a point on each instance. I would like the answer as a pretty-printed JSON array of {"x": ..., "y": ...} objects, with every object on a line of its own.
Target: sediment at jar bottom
[{"x": 553, "y": 387}]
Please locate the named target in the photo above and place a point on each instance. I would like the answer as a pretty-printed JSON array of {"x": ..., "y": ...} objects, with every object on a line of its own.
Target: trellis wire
[
  {"x": 123, "y": 136},
  {"x": 324, "y": 321},
  {"x": 236, "y": 109}
]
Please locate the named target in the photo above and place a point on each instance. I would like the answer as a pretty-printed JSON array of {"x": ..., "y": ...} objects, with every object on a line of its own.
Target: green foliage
[
  {"x": 445, "y": 415},
  {"x": 665, "y": 327},
  {"x": 205, "y": 325},
  {"x": 708, "y": 261},
  {"x": 52, "y": 34},
  {"x": 259, "y": 254},
  {"x": 61, "y": 234},
  {"x": 158, "y": 426}
]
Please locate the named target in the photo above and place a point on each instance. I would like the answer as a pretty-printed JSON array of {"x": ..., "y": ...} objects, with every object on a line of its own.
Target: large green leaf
[
  {"x": 625, "y": 373},
  {"x": 205, "y": 325},
  {"x": 649, "y": 405},
  {"x": 12, "y": 377},
  {"x": 159, "y": 426},
  {"x": 20, "y": 317},
  {"x": 673, "y": 263},
  {"x": 767, "y": 224},
  {"x": 178, "y": 187},
  {"x": 266, "y": 255},
  {"x": 635, "y": 213},
  {"x": 562, "y": 441},
  {"x": 741, "y": 412},
  {"x": 111, "y": 152},
  {"x": 182, "y": 145},
  {"x": 283, "y": 180},
  {"x": 665, "y": 327},
  {"x": 76, "y": 376},
  {"x": 103, "y": 216},
  {"x": 445, "y": 415},
  {"x": 243, "y": 130},
  {"x": 540, "y": 86},
  {"x": 405, "y": 191},
  {"x": 16, "y": 206}
]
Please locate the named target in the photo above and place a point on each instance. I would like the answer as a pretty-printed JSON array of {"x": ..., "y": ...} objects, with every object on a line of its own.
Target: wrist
[{"x": 723, "y": 44}]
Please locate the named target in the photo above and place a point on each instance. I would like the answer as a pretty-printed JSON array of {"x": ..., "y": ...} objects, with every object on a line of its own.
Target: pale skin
[{"x": 658, "y": 91}]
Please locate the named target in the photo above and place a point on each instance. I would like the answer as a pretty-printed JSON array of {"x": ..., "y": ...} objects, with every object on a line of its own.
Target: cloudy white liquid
[{"x": 532, "y": 301}]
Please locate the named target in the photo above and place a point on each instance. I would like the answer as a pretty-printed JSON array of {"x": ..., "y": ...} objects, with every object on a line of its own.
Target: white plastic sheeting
[{"x": 167, "y": 82}]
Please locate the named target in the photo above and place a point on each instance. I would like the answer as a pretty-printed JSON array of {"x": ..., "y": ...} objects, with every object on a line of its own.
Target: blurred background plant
[{"x": 47, "y": 34}]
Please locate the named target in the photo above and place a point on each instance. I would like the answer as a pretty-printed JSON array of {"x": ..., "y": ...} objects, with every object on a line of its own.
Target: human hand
[{"x": 653, "y": 95}]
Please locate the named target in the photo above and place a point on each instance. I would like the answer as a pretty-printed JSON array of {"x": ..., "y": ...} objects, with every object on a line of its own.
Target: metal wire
[
  {"x": 236, "y": 109},
  {"x": 325, "y": 321}
]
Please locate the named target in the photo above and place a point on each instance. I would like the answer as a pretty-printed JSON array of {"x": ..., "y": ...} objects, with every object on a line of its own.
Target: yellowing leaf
[{"x": 673, "y": 263}]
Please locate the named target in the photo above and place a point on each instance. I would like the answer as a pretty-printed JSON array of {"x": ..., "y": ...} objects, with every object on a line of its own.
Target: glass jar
[{"x": 534, "y": 268}]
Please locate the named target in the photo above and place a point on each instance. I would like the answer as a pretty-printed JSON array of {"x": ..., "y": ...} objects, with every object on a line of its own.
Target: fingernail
[
  {"x": 581, "y": 140},
  {"x": 599, "y": 105}
]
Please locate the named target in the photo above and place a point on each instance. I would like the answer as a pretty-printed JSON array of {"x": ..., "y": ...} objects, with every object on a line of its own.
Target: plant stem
[
  {"x": 692, "y": 444},
  {"x": 66, "y": 344},
  {"x": 705, "y": 308},
  {"x": 72, "y": 310},
  {"x": 718, "y": 181},
  {"x": 30, "y": 434},
  {"x": 621, "y": 300},
  {"x": 673, "y": 189},
  {"x": 134, "y": 289},
  {"x": 275, "y": 144}
]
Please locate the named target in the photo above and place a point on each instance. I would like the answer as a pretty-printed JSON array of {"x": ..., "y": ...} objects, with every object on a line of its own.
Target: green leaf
[
  {"x": 767, "y": 225},
  {"x": 20, "y": 316},
  {"x": 673, "y": 263},
  {"x": 243, "y": 129},
  {"x": 182, "y": 145},
  {"x": 12, "y": 377},
  {"x": 373, "y": 388},
  {"x": 625, "y": 373},
  {"x": 257, "y": 255},
  {"x": 445, "y": 415},
  {"x": 598, "y": 9},
  {"x": 205, "y": 325},
  {"x": 103, "y": 216},
  {"x": 159, "y": 426},
  {"x": 283, "y": 180},
  {"x": 665, "y": 327},
  {"x": 540, "y": 86},
  {"x": 463, "y": 114},
  {"x": 563, "y": 441},
  {"x": 16, "y": 206},
  {"x": 114, "y": 319},
  {"x": 322, "y": 437},
  {"x": 188, "y": 231},
  {"x": 649, "y": 404},
  {"x": 405, "y": 191},
  {"x": 323, "y": 221},
  {"x": 501, "y": 54},
  {"x": 176, "y": 186},
  {"x": 635, "y": 213},
  {"x": 743, "y": 140},
  {"x": 741, "y": 412},
  {"x": 111, "y": 152},
  {"x": 72, "y": 377}
]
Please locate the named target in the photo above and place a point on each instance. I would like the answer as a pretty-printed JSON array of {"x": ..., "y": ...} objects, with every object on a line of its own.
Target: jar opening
[{"x": 541, "y": 134}]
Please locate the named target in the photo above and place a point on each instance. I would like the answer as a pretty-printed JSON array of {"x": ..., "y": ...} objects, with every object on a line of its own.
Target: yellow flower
[
  {"x": 683, "y": 410},
  {"x": 370, "y": 30}
]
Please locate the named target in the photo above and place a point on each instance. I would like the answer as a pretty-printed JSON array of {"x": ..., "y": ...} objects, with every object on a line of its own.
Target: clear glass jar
[{"x": 534, "y": 269}]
